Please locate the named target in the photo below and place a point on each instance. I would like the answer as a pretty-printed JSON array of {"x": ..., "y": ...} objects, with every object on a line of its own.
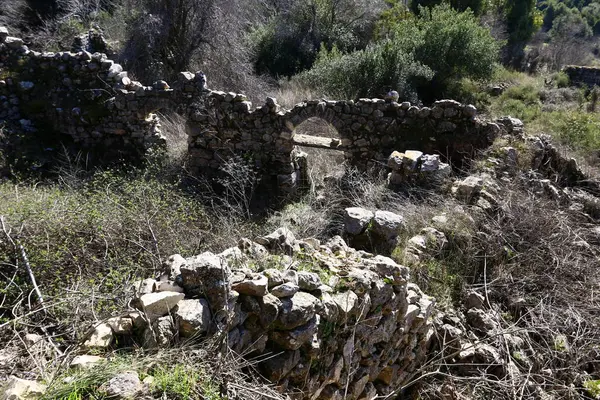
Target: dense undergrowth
[{"x": 89, "y": 234}]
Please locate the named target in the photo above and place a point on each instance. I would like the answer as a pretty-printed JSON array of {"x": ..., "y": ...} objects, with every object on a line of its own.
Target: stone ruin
[
  {"x": 583, "y": 75},
  {"x": 91, "y": 100},
  {"x": 326, "y": 321}
]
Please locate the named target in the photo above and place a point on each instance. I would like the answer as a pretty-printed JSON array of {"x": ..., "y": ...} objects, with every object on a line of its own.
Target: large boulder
[{"x": 357, "y": 219}]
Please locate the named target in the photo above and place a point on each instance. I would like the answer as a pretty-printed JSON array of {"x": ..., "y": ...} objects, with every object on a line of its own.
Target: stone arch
[{"x": 91, "y": 98}]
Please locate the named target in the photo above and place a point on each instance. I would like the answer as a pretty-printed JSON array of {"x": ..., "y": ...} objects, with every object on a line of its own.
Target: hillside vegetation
[{"x": 507, "y": 243}]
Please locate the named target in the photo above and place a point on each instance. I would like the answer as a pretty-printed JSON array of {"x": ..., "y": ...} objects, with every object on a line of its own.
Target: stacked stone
[
  {"x": 369, "y": 129},
  {"x": 91, "y": 98},
  {"x": 582, "y": 75},
  {"x": 224, "y": 124},
  {"x": 354, "y": 330},
  {"x": 413, "y": 164},
  {"x": 83, "y": 95}
]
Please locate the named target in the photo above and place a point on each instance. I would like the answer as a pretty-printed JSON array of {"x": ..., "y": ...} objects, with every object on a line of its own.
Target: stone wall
[
  {"x": 319, "y": 321},
  {"x": 581, "y": 75},
  {"x": 92, "y": 100},
  {"x": 84, "y": 96}
]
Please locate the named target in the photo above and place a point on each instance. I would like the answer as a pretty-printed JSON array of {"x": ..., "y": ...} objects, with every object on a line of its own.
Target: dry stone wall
[
  {"x": 581, "y": 75},
  {"x": 321, "y": 321},
  {"x": 93, "y": 101}
]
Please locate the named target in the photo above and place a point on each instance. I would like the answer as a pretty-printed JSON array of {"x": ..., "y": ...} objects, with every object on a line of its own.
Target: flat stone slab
[{"x": 318, "y": 142}]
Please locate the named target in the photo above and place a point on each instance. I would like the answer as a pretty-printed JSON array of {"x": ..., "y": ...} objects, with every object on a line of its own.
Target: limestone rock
[
  {"x": 474, "y": 300},
  {"x": 234, "y": 256},
  {"x": 468, "y": 188},
  {"x": 101, "y": 337},
  {"x": 430, "y": 162},
  {"x": 308, "y": 280},
  {"x": 411, "y": 159},
  {"x": 21, "y": 389},
  {"x": 282, "y": 239},
  {"x": 296, "y": 311},
  {"x": 114, "y": 70},
  {"x": 347, "y": 303},
  {"x": 275, "y": 277},
  {"x": 193, "y": 317},
  {"x": 481, "y": 321},
  {"x": 85, "y": 361},
  {"x": 252, "y": 287},
  {"x": 295, "y": 338},
  {"x": 385, "y": 267},
  {"x": 120, "y": 325},
  {"x": 275, "y": 368},
  {"x": 395, "y": 160},
  {"x": 254, "y": 250},
  {"x": 144, "y": 286},
  {"x": 124, "y": 386},
  {"x": 387, "y": 224},
  {"x": 172, "y": 267},
  {"x": 13, "y": 42},
  {"x": 168, "y": 286},
  {"x": 207, "y": 274},
  {"x": 156, "y": 305},
  {"x": 356, "y": 220},
  {"x": 287, "y": 289},
  {"x": 161, "y": 334}
]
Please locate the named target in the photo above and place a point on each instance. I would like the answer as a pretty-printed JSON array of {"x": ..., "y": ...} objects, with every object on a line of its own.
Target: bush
[
  {"x": 165, "y": 36},
  {"x": 97, "y": 234},
  {"x": 429, "y": 52},
  {"x": 577, "y": 129},
  {"x": 469, "y": 91},
  {"x": 521, "y": 102},
  {"x": 562, "y": 80},
  {"x": 290, "y": 41},
  {"x": 370, "y": 72},
  {"x": 454, "y": 46}
]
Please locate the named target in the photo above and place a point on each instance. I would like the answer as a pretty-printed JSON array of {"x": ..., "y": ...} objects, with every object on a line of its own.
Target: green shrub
[
  {"x": 521, "y": 102},
  {"x": 439, "y": 47},
  {"x": 592, "y": 387},
  {"x": 366, "y": 72},
  {"x": 562, "y": 80},
  {"x": 469, "y": 91},
  {"x": 577, "y": 129},
  {"x": 290, "y": 41}
]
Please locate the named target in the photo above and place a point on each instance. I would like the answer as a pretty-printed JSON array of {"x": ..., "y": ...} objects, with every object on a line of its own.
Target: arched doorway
[{"x": 322, "y": 143}]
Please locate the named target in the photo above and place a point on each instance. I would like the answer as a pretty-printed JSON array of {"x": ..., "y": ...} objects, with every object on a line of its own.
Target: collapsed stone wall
[
  {"x": 85, "y": 96},
  {"x": 93, "y": 101},
  {"x": 582, "y": 75},
  {"x": 322, "y": 321}
]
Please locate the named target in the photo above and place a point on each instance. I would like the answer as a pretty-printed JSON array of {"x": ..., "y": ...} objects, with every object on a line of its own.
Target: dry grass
[
  {"x": 536, "y": 261},
  {"x": 291, "y": 92}
]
